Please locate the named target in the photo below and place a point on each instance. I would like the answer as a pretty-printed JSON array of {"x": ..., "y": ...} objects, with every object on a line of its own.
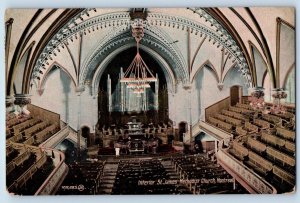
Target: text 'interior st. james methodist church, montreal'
[{"x": 150, "y": 101}]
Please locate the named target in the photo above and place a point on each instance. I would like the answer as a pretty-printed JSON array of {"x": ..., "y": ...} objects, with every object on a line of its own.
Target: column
[
  {"x": 109, "y": 93},
  {"x": 156, "y": 93},
  {"x": 174, "y": 118},
  {"x": 95, "y": 112},
  {"x": 79, "y": 91},
  {"x": 188, "y": 87},
  {"x": 21, "y": 101},
  {"x": 122, "y": 91},
  {"x": 9, "y": 103},
  {"x": 145, "y": 99},
  {"x": 190, "y": 110},
  {"x": 8, "y": 28}
]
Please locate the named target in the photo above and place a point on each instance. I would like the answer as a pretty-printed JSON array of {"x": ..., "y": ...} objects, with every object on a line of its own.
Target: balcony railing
[
  {"x": 248, "y": 178},
  {"x": 217, "y": 133},
  {"x": 54, "y": 180},
  {"x": 55, "y": 139}
]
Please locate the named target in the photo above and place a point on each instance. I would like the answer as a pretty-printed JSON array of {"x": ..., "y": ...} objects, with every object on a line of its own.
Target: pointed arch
[
  {"x": 253, "y": 50},
  {"x": 289, "y": 84},
  {"x": 169, "y": 74},
  {"x": 20, "y": 68},
  {"x": 287, "y": 74},
  {"x": 47, "y": 74},
  {"x": 264, "y": 78},
  {"x": 209, "y": 65},
  {"x": 268, "y": 86},
  {"x": 230, "y": 69}
]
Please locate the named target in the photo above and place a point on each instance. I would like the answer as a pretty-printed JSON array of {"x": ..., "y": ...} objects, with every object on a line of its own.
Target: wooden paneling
[
  {"x": 217, "y": 107},
  {"x": 43, "y": 113}
]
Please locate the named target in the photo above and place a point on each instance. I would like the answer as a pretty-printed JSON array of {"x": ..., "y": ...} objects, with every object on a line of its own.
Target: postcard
[{"x": 119, "y": 101}]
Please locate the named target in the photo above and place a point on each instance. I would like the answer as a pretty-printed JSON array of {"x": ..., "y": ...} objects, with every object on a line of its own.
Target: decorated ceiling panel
[{"x": 184, "y": 38}]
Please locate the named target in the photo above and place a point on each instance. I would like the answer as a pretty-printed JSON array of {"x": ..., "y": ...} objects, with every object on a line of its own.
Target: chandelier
[
  {"x": 138, "y": 76},
  {"x": 257, "y": 98},
  {"x": 279, "y": 96}
]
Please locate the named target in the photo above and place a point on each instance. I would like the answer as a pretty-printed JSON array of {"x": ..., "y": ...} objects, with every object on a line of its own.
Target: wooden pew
[
  {"x": 228, "y": 119},
  {"x": 240, "y": 116},
  {"x": 17, "y": 128},
  {"x": 260, "y": 162},
  {"x": 240, "y": 150},
  {"x": 10, "y": 166},
  {"x": 283, "y": 175},
  {"x": 227, "y": 113},
  {"x": 28, "y": 132},
  {"x": 225, "y": 126},
  {"x": 277, "y": 155},
  {"x": 256, "y": 145},
  {"x": 220, "y": 117},
  {"x": 244, "y": 106},
  {"x": 213, "y": 121},
  {"x": 241, "y": 131},
  {"x": 21, "y": 158},
  {"x": 234, "y": 121},
  {"x": 16, "y": 138},
  {"x": 235, "y": 109},
  {"x": 273, "y": 119},
  {"x": 251, "y": 128},
  {"x": 262, "y": 124},
  {"x": 235, "y": 115},
  {"x": 45, "y": 133},
  {"x": 287, "y": 134},
  {"x": 271, "y": 139},
  {"x": 29, "y": 141},
  {"x": 290, "y": 146},
  {"x": 286, "y": 116}
]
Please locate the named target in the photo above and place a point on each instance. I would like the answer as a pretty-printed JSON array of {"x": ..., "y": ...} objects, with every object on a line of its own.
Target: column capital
[
  {"x": 22, "y": 99},
  {"x": 79, "y": 89},
  {"x": 9, "y": 101},
  {"x": 220, "y": 85},
  {"x": 187, "y": 86}
]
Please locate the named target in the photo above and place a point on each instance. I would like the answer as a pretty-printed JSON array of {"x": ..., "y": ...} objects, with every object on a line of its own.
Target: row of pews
[
  {"x": 266, "y": 161},
  {"x": 240, "y": 118},
  {"x": 32, "y": 131},
  {"x": 148, "y": 130},
  {"x": 210, "y": 178},
  {"x": 21, "y": 172},
  {"x": 27, "y": 166},
  {"x": 263, "y": 142},
  {"x": 144, "y": 176},
  {"x": 220, "y": 124},
  {"x": 86, "y": 176}
]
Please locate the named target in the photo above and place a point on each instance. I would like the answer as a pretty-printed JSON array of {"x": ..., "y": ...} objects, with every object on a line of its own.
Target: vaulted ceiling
[{"x": 182, "y": 40}]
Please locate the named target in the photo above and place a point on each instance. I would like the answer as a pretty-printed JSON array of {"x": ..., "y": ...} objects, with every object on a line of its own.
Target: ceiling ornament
[{"x": 86, "y": 23}]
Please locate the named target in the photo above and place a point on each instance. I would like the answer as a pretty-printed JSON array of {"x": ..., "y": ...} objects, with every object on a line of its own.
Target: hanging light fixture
[
  {"x": 257, "y": 98},
  {"x": 138, "y": 76},
  {"x": 279, "y": 96}
]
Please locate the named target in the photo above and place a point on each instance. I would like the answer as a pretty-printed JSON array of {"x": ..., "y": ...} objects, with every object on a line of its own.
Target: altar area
[
  {"x": 136, "y": 140},
  {"x": 134, "y": 137}
]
